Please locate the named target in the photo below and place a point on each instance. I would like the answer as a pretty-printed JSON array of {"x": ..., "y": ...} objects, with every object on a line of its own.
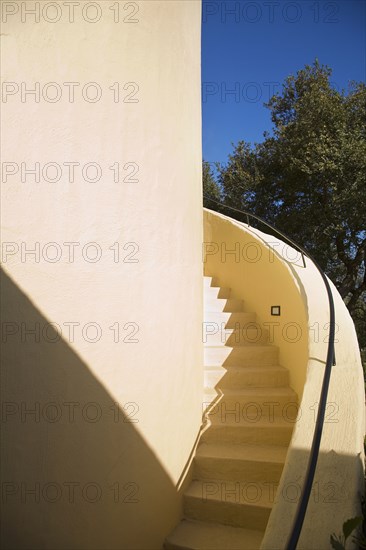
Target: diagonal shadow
[{"x": 76, "y": 473}]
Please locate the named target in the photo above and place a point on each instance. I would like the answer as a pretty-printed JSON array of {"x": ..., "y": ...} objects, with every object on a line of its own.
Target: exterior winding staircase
[{"x": 249, "y": 417}]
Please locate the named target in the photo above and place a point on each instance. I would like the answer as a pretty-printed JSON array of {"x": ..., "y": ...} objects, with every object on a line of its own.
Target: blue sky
[{"x": 248, "y": 48}]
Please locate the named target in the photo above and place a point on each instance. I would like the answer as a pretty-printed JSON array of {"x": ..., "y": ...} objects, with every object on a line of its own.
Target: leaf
[
  {"x": 335, "y": 543},
  {"x": 361, "y": 541},
  {"x": 350, "y": 525}
]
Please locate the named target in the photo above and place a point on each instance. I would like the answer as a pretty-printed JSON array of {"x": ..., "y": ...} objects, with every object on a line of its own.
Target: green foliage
[
  {"x": 210, "y": 186},
  {"x": 339, "y": 542},
  {"x": 308, "y": 177}
]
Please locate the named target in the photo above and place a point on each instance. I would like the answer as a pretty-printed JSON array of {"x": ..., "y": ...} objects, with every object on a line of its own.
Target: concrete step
[
  {"x": 209, "y": 398},
  {"x": 210, "y": 281},
  {"x": 215, "y": 334},
  {"x": 235, "y": 319},
  {"x": 230, "y": 462},
  {"x": 222, "y": 304},
  {"x": 250, "y": 415},
  {"x": 230, "y": 503},
  {"x": 254, "y": 403},
  {"x": 246, "y": 355},
  {"x": 215, "y": 292},
  {"x": 241, "y": 377},
  {"x": 194, "y": 535},
  {"x": 264, "y": 431}
]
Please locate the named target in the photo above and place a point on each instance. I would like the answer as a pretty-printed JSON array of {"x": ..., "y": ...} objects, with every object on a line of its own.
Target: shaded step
[
  {"x": 240, "y": 377},
  {"x": 244, "y": 504},
  {"x": 255, "y": 463},
  {"x": 277, "y": 431},
  {"x": 192, "y": 535},
  {"x": 245, "y": 355},
  {"x": 222, "y": 304}
]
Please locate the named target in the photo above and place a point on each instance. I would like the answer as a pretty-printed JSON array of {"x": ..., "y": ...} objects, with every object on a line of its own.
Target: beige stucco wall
[
  {"x": 300, "y": 291},
  {"x": 339, "y": 478},
  {"x": 115, "y": 418},
  {"x": 245, "y": 262}
]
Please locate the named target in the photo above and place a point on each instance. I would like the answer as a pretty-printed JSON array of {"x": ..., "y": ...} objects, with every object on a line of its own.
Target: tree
[
  {"x": 210, "y": 186},
  {"x": 308, "y": 177}
]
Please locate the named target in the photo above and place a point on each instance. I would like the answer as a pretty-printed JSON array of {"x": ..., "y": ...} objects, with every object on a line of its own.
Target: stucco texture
[
  {"x": 263, "y": 271},
  {"x": 124, "y": 352}
]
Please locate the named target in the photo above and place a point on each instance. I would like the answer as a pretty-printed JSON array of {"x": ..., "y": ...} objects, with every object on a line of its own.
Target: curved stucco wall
[
  {"x": 249, "y": 262},
  {"x": 116, "y": 380},
  {"x": 278, "y": 277}
]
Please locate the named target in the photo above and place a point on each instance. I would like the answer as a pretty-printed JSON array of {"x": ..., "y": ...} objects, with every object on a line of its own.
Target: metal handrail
[{"x": 330, "y": 361}]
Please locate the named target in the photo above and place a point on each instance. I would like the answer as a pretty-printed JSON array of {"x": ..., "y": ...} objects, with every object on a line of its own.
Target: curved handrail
[{"x": 330, "y": 361}]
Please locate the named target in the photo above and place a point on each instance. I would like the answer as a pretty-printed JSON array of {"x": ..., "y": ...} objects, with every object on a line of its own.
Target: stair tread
[
  {"x": 247, "y": 344},
  {"x": 198, "y": 535},
  {"x": 226, "y": 303},
  {"x": 253, "y": 346},
  {"x": 209, "y": 280},
  {"x": 254, "y": 391},
  {"x": 225, "y": 493},
  {"x": 231, "y": 330},
  {"x": 218, "y": 288},
  {"x": 276, "y": 422},
  {"x": 225, "y": 315},
  {"x": 235, "y": 452},
  {"x": 213, "y": 293},
  {"x": 213, "y": 298},
  {"x": 232, "y": 337},
  {"x": 232, "y": 451},
  {"x": 233, "y": 368}
]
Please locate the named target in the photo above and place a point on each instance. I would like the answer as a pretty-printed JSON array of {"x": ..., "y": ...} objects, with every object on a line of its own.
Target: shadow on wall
[
  {"x": 336, "y": 496},
  {"x": 76, "y": 474}
]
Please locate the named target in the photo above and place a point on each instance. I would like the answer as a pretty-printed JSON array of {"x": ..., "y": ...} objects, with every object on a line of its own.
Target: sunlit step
[
  {"x": 235, "y": 319},
  {"x": 263, "y": 431},
  {"x": 245, "y": 355},
  {"x": 215, "y": 334},
  {"x": 222, "y": 304},
  {"x": 240, "y": 377}
]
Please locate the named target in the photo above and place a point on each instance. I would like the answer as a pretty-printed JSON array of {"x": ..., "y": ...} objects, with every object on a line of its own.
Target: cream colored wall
[
  {"x": 339, "y": 477},
  {"x": 157, "y": 381},
  {"x": 301, "y": 293},
  {"x": 256, "y": 274}
]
